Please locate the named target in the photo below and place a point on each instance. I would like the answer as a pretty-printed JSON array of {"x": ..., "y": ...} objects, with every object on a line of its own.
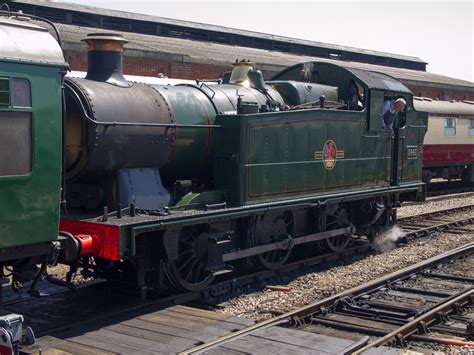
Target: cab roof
[
  {"x": 27, "y": 42},
  {"x": 327, "y": 73}
]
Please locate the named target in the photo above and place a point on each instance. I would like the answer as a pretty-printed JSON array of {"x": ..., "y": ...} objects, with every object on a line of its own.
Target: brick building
[{"x": 187, "y": 50}]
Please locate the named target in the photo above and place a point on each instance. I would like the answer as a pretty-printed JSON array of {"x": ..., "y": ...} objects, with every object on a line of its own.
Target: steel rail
[
  {"x": 436, "y": 213},
  {"x": 438, "y": 228},
  {"x": 460, "y": 299},
  {"x": 329, "y": 302}
]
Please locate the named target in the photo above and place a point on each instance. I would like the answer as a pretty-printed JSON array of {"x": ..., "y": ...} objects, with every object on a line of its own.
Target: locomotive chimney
[{"x": 105, "y": 58}]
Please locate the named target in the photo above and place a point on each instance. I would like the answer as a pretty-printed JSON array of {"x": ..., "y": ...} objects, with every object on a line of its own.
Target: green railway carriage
[
  {"x": 189, "y": 181},
  {"x": 31, "y": 69}
]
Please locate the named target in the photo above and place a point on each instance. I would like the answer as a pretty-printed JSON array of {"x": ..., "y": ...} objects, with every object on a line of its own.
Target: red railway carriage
[{"x": 448, "y": 150}]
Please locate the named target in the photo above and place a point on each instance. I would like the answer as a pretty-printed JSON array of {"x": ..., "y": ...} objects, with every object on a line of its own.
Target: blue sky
[{"x": 439, "y": 32}]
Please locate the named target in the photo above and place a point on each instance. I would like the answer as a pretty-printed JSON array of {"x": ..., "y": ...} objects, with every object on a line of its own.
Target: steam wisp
[{"x": 387, "y": 240}]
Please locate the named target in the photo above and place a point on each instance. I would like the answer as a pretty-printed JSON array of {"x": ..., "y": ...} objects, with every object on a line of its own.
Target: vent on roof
[
  {"x": 219, "y": 37},
  {"x": 243, "y": 41},
  {"x": 281, "y": 46},
  {"x": 172, "y": 31},
  {"x": 83, "y": 19},
  {"x": 112, "y": 23},
  {"x": 263, "y": 43},
  {"x": 148, "y": 28},
  {"x": 51, "y": 14},
  {"x": 197, "y": 35},
  {"x": 380, "y": 60}
]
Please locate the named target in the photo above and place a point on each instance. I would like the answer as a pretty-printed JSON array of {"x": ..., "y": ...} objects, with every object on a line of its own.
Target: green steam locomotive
[{"x": 153, "y": 182}]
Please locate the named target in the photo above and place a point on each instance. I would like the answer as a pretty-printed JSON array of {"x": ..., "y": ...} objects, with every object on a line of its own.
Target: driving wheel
[
  {"x": 273, "y": 228},
  {"x": 337, "y": 217},
  {"x": 189, "y": 270}
]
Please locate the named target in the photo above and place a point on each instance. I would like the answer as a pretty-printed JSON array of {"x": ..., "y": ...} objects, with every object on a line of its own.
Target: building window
[
  {"x": 450, "y": 126},
  {"x": 471, "y": 127}
]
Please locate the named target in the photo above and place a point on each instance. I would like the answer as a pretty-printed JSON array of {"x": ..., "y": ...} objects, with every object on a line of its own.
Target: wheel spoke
[
  {"x": 182, "y": 253},
  {"x": 181, "y": 268},
  {"x": 189, "y": 274},
  {"x": 197, "y": 274}
]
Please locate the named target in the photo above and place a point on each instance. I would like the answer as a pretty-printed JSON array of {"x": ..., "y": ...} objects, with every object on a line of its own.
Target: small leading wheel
[
  {"x": 270, "y": 229},
  {"x": 189, "y": 270},
  {"x": 337, "y": 217}
]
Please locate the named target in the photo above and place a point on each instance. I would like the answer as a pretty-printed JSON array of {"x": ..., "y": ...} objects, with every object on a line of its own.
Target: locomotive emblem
[{"x": 329, "y": 154}]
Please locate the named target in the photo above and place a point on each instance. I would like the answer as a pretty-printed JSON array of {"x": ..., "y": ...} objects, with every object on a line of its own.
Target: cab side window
[
  {"x": 21, "y": 93},
  {"x": 15, "y": 127},
  {"x": 4, "y": 92}
]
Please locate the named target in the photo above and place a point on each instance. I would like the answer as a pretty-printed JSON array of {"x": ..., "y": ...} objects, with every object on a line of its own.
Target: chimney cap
[
  {"x": 101, "y": 41},
  {"x": 104, "y": 36}
]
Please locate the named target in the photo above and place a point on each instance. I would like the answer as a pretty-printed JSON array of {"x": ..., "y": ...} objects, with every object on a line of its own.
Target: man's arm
[{"x": 386, "y": 106}]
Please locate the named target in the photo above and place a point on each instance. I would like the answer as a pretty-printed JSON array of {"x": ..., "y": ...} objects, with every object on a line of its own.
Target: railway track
[
  {"x": 435, "y": 222},
  {"x": 64, "y": 311},
  {"x": 427, "y": 302},
  {"x": 446, "y": 188}
]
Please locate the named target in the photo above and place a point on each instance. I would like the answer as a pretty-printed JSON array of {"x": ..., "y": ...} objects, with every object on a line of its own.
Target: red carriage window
[{"x": 450, "y": 126}]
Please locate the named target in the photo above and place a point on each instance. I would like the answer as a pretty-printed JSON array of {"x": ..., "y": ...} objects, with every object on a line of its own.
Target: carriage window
[
  {"x": 4, "y": 91},
  {"x": 15, "y": 143},
  {"x": 21, "y": 92},
  {"x": 450, "y": 126},
  {"x": 471, "y": 128}
]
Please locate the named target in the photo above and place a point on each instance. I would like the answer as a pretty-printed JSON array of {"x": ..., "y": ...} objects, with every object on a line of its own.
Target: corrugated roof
[
  {"x": 215, "y": 28},
  {"x": 214, "y": 53}
]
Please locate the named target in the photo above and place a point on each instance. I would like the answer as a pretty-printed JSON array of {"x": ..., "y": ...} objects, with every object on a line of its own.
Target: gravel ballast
[
  {"x": 436, "y": 204},
  {"x": 309, "y": 285}
]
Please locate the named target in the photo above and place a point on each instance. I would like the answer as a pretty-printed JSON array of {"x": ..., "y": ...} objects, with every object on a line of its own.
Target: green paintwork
[
  {"x": 199, "y": 199},
  {"x": 188, "y": 106},
  {"x": 278, "y": 156},
  {"x": 29, "y": 208}
]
